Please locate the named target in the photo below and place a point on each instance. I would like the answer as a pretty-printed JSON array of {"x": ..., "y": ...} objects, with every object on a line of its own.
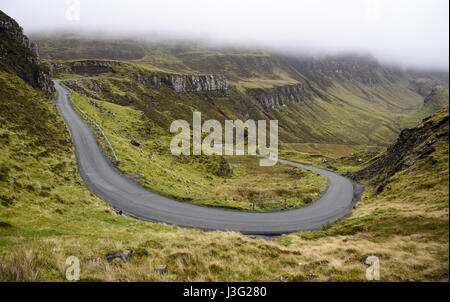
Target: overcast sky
[{"x": 409, "y": 32}]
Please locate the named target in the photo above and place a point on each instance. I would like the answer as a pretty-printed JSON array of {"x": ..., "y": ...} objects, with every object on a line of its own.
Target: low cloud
[{"x": 412, "y": 33}]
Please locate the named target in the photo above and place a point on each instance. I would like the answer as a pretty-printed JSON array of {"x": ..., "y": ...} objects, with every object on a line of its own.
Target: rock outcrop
[
  {"x": 216, "y": 84},
  {"x": 95, "y": 88},
  {"x": 278, "y": 96},
  {"x": 21, "y": 56},
  {"x": 124, "y": 256},
  {"x": 84, "y": 67},
  {"x": 56, "y": 68},
  {"x": 353, "y": 68},
  {"x": 93, "y": 67},
  {"x": 183, "y": 83}
]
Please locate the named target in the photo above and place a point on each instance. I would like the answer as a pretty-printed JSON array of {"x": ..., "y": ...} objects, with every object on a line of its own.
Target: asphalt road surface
[{"x": 125, "y": 195}]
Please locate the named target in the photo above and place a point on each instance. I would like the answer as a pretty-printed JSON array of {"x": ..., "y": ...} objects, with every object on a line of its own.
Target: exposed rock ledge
[
  {"x": 93, "y": 67},
  {"x": 183, "y": 83},
  {"x": 179, "y": 83},
  {"x": 271, "y": 98}
]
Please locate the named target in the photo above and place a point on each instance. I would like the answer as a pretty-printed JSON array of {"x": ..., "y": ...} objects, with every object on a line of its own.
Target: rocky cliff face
[
  {"x": 179, "y": 83},
  {"x": 84, "y": 67},
  {"x": 93, "y": 90},
  {"x": 278, "y": 96},
  {"x": 352, "y": 68},
  {"x": 183, "y": 83},
  {"x": 19, "y": 55},
  {"x": 93, "y": 67},
  {"x": 56, "y": 68}
]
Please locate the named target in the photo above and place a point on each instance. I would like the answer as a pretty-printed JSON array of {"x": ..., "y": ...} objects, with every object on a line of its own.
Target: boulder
[
  {"x": 135, "y": 142},
  {"x": 124, "y": 256},
  {"x": 285, "y": 277},
  {"x": 161, "y": 269},
  {"x": 296, "y": 172}
]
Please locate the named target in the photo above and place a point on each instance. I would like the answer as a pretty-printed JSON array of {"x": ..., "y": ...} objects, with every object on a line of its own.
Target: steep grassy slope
[
  {"x": 412, "y": 145},
  {"x": 436, "y": 99}
]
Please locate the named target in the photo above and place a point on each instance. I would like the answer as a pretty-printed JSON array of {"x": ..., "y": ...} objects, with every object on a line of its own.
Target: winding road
[{"x": 105, "y": 181}]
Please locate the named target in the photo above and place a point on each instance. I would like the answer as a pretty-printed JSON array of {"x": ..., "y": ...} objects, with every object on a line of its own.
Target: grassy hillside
[
  {"x": 435, "y": 100},
  {"x": 348, "y": 99},
  {"x": 47, "y": 214},
  {"x": 344, "y": 113}
]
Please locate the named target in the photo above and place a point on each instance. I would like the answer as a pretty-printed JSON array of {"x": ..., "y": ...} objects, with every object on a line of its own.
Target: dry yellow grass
[{"x": 410, "y": 238}]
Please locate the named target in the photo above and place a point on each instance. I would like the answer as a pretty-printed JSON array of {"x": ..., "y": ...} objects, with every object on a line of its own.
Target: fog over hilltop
[{"x": 411, "y": 33}]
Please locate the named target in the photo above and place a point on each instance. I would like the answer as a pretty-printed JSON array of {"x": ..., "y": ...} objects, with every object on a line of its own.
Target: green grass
[
  {"x": 66, "y": 76},
  {"x": 436, "y": 100},
  {"x": 48, "y": 214},
  {"x": 336, "y": 158}
]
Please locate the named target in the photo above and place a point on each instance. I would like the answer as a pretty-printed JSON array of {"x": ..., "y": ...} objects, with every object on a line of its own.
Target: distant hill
[
  {"x": 346, "y": 99},
  {"x": 365, "y": 108}
]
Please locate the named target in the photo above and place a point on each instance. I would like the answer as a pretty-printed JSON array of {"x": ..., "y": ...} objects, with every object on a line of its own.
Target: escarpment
[
  {"x": 183, "y": 83},
  {"x": 353, "y": 68},
  {"x": 93, "y": 67},
  {"x": 95, "y": 88},
  {"x": 215, "y": 84},
  {"x": 84, "y": 67},
  {"x": 271, "y": 98}
]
